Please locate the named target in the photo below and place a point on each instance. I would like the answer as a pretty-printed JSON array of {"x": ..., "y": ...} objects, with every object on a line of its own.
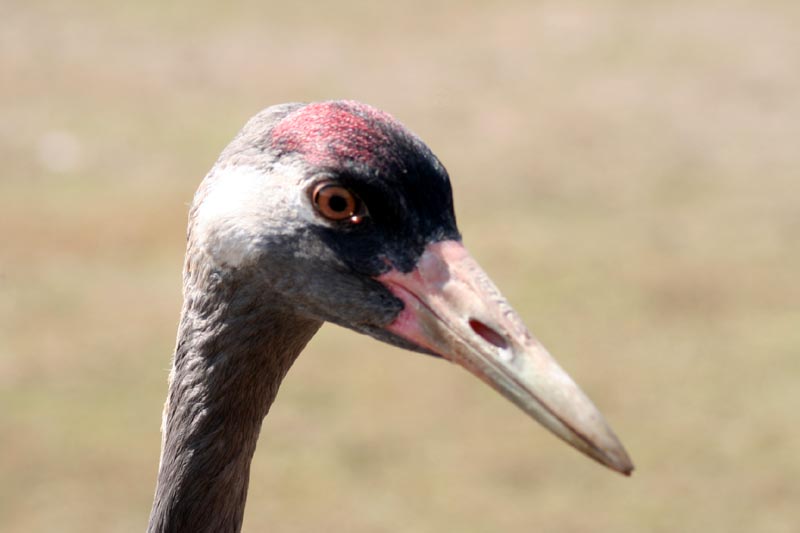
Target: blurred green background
[{"x": 627, "y": 172}]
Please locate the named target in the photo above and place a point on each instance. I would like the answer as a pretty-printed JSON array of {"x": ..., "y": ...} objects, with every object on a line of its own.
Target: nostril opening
[{"x": 488, "y": 334}]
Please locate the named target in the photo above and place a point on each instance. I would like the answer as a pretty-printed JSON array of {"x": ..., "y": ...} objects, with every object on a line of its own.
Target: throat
[{"x": 228, "y": 365}]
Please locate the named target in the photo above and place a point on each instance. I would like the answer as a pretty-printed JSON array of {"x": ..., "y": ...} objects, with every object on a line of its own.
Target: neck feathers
[{"x": 232, "y": 353}]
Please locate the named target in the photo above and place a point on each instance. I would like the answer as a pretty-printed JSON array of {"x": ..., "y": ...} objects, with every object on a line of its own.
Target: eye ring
[{"x": 336, "y": 203}]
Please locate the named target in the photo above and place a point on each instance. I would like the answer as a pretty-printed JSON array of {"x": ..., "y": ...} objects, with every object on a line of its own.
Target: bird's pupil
[{"x": 337, "y": 203}]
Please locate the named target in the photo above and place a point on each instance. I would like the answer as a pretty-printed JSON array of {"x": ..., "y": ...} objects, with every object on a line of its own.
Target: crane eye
[{"x": 334, "y": 202}]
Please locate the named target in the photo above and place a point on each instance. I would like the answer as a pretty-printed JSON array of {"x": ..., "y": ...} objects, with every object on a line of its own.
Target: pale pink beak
[{"x": 453, "y": 309}]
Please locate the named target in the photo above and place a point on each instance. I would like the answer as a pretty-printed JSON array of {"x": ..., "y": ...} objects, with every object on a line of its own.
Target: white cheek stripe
[{"x": 239, "y": 204}]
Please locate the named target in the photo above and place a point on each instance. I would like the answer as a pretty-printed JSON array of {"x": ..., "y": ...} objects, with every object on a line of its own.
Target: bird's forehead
[{"x": 327, "y": 133}]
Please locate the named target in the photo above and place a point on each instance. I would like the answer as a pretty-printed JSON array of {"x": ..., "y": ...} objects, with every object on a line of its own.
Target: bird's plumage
[{"x": 266, "y": 266}]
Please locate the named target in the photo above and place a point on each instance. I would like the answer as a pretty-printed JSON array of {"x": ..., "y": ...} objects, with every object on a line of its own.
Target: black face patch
[{"x": 406, "y": 213}]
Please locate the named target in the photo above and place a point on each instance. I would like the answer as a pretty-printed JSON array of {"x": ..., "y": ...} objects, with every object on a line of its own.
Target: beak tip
[
  {"x": 620, "y": 462},
  {"x": 627, "y": 469}
]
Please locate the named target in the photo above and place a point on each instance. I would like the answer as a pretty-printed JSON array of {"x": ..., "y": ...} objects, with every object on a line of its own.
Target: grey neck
[{"x": 231, "y": 355}]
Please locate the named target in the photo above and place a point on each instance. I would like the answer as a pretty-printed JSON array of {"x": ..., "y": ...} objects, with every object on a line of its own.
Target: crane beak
[{"x": 454, "y": 310}]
